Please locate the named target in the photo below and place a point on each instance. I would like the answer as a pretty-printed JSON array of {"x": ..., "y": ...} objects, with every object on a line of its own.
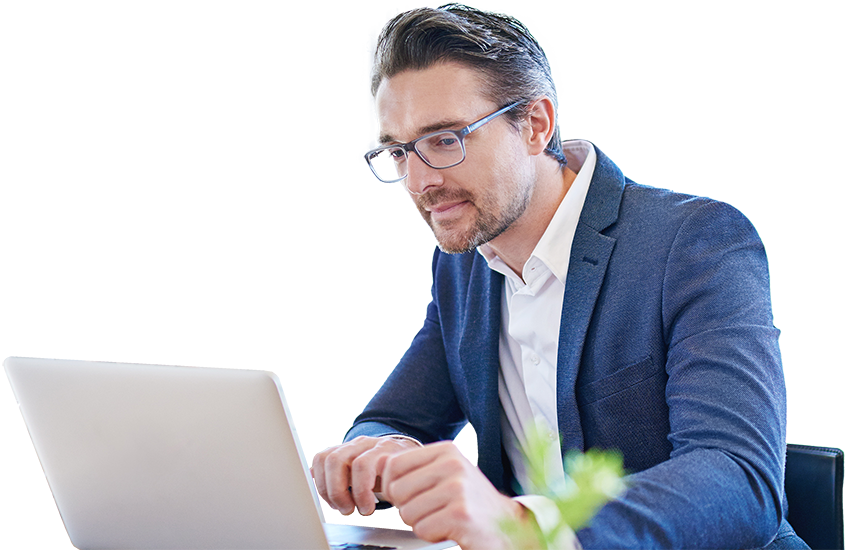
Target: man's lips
[{"x": 445, "y": 207}]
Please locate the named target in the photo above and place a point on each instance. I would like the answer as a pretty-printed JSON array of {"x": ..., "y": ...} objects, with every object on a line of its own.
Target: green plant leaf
[{"x": 591, "y": 480}]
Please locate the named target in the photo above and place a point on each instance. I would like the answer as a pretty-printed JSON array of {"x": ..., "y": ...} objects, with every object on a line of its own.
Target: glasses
[{"x": 443, "y": 149}]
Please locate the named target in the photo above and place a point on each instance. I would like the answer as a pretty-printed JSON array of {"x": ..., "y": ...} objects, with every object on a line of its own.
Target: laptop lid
[{"x": 163, "y": 457}]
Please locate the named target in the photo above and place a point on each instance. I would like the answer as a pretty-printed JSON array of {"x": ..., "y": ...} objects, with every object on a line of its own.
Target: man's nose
[{"x": 421, "y": 177}]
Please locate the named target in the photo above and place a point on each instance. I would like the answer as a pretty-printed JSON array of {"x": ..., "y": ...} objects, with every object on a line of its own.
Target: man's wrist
[{"x": 402, "y": 437}]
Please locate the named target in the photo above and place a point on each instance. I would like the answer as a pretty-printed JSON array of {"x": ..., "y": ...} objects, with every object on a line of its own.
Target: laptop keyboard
[{"x": 359, "y": 546}]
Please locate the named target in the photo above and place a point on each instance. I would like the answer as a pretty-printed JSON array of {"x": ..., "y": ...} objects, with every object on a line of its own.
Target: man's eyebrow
[{"x": 386, "y": 139}]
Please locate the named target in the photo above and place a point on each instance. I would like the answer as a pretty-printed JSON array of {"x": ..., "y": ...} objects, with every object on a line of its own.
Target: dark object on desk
[
  {"x": 814, "y": 485},
  {"x": 384, "y": 510}
]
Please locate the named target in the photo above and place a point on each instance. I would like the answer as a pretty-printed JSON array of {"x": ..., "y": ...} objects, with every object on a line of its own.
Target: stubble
[{"x": 492, "y": 216}]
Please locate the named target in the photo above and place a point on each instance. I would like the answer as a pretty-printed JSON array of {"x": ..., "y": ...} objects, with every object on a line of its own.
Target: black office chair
[{"x": 814, "y": 484}]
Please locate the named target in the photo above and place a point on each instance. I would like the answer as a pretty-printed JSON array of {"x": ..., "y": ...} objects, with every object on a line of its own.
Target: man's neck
[{"x": 515, "y": 245}]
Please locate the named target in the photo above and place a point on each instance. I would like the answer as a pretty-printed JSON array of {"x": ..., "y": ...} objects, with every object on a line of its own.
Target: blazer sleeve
[
  {"x": 417, "y": 399},
  {"x": 722, "y": 486}
]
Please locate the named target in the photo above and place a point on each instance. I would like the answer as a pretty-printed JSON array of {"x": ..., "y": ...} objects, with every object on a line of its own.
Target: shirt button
[{"x": 535, "y": 359}]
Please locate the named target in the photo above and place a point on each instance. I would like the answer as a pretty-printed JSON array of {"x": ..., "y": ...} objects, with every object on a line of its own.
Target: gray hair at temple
[{"x": 499, "y": 46}]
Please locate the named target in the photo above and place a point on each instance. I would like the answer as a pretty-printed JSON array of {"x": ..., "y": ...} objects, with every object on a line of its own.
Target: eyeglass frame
[{"x": 412, "y": 145}]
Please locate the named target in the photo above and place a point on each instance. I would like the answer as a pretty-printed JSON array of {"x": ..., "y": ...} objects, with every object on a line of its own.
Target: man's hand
[
  {"x": 347, "y": 475},
  {"x": 442, "y": 496}
]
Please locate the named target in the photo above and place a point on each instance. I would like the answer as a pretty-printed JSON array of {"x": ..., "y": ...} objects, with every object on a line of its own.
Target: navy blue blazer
[{"x": 667, "y": 352}]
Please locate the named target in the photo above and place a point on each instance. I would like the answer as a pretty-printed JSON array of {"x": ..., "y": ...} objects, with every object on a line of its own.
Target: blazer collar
[
  {"x": 604, "y": 198},
  {"x": 590, "y": 255}
]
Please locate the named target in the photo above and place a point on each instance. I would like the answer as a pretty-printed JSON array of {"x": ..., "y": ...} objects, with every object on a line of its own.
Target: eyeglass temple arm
[{"x": 473, "y": 126}]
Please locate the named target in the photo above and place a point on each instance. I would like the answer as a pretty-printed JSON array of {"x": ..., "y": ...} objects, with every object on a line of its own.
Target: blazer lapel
[
  {"x": 590, "y": 254},
  {"x": 480, "y": 361}
]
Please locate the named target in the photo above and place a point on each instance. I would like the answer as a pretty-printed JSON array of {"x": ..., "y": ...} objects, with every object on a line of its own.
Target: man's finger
[
  {"x": 414, "y": 483},
  {"x": 338, "y": 480},
  {"x": 411, "y": 473},
  {"x": 318, "y": 473},
  {"x": 363, "y": 479},
  {"x": 335, "y": 477},
  {"x": 397, "y": 517},
  {"x": 366, "y": 472},
  {"x": 442, "y": 523},
  {"x": 426, "y": 504}
]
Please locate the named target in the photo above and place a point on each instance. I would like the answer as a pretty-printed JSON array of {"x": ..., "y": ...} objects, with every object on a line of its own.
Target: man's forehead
[{"x": 415, "y": 102}]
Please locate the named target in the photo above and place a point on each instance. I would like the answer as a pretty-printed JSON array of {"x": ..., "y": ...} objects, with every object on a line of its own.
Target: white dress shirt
[{"x": 531, "y": 315}]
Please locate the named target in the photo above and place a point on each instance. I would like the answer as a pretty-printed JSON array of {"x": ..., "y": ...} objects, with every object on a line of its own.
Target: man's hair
[{"x": 500, "y": 47}]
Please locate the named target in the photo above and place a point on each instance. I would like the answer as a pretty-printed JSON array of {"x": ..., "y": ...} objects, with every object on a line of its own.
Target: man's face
[{"x": 481, "y": 198}]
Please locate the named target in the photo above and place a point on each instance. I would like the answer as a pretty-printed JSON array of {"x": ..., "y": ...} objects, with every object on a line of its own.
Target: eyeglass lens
[{"x": 440, "y": 150}]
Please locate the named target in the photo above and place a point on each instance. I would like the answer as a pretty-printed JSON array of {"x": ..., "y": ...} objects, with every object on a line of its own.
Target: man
[{"x": 618, "y": 315}]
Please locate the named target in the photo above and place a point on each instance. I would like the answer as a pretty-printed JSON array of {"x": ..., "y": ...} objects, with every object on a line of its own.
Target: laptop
[{"x": 163, "y": 457}]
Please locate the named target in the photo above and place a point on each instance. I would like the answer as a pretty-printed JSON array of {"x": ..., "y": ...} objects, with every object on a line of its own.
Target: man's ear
[{"x": 542, "y": 124}]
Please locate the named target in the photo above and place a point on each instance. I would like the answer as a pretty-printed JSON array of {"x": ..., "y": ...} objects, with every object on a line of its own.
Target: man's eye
[
  {"x": 446, "y": 141},
  {"x": 397, "y": 154}
]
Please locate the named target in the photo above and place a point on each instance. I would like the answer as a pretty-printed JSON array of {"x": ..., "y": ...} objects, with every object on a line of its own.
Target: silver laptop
[{"x": 160, "y": 457}]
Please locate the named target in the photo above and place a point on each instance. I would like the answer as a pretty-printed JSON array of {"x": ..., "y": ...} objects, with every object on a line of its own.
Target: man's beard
[{"x": 490, "y": 221}]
